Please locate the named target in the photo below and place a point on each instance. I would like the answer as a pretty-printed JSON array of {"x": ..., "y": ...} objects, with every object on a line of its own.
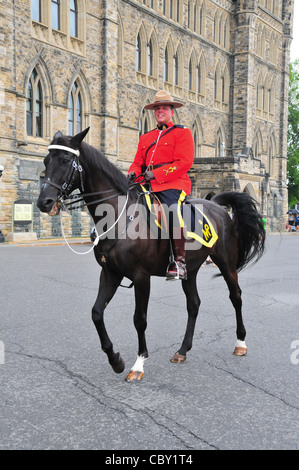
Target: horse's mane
[
  {"x": 98, "y": 162},
  {"x": 102, "y": 164}
]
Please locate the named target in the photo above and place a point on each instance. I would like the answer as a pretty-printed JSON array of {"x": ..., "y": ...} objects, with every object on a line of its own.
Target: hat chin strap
[{"x": 62, "y": 147}]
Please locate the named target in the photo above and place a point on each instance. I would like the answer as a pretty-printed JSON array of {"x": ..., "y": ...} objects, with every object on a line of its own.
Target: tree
[{"x": 293, "y": 135}]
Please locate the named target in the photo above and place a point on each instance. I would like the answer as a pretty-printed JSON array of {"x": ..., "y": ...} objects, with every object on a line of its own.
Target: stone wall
[{"x": 102, "y": 61}]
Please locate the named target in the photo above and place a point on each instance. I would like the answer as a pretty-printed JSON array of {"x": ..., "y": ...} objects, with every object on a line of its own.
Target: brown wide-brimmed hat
[{"x": 162, "y": 97}]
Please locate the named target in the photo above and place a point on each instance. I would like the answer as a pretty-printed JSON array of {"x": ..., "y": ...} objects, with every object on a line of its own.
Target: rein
[
  {"x": 97, "y": 193},
  {"x": 80, "y": 199},
  {"x": 97, "y": 239}
]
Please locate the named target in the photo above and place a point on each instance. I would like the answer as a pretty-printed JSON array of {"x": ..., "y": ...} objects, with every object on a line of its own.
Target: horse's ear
[
  {"x": 57, "y": 134},
  {"x": 77, "y": 139}
]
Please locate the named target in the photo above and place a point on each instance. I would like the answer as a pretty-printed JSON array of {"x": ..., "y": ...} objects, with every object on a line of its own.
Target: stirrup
[
  {"x": 171, "y": 278},
  {"x": 177, "y": 276}
]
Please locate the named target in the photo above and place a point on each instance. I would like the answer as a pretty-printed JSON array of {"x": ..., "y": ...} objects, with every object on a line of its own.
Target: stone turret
[{"x": 244, "y": 73}]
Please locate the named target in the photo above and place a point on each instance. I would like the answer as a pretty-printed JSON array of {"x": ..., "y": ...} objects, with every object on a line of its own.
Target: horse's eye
[{"x": 64, "y": 159}]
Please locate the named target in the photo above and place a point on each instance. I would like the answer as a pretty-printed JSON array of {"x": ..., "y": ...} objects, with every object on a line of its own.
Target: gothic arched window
[
  {"x": 197, "y": 138},
  {"x": 138, "y": 54},
  {"x": 190, "y": 81},
  {"x": 216, "y": 85},
  {"x": 176, "y": 69},
  {"x": 34, "y": 106},
  {"x": 199, "y": 79},
  {"x": 166, "y": 66},
  {"x": 143, "y": 123},
  {"x": 150, "y": 58},
  {"x": 75, "y": 110}
]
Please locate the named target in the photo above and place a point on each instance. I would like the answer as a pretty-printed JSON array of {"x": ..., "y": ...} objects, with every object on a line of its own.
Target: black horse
[{"x": 72, "y": 164}]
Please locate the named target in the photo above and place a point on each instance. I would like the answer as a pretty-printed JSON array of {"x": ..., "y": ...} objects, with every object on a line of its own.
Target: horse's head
[{"x": 62, "y": 171}]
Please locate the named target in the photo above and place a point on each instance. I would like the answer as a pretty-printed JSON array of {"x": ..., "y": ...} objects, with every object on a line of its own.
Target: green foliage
[{"x": 293, "y": 135}]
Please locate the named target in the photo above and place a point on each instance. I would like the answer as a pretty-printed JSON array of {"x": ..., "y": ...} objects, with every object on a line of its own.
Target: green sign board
[{"x": 22, "y": 212}]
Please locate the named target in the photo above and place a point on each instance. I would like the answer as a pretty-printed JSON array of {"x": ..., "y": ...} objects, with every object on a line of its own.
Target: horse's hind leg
[
  {"x": 107, "y": 289},
  {"x": 235, "y": 294},
  {"x": 193, "y": 303},
  {"x": 236, "y": 299}
]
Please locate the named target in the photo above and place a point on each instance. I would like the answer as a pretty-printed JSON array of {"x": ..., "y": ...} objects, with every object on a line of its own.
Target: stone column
[
  {"x": 243, "y": 75},
  {"x": 109, "y": 88}
]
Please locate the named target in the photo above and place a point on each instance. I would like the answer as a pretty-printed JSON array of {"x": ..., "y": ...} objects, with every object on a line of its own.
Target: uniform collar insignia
[{"x": 161, "y": 128}]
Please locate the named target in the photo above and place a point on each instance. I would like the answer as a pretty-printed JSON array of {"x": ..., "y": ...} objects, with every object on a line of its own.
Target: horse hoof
[
  {"x": 178, "y": 358},
  {"x": 134, "y": 375},
  {"x": 119, "y": 365},
  {"x": 239, "y": 351}
]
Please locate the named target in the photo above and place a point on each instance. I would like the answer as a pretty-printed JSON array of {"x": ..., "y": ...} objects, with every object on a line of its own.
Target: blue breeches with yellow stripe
[{"x": 171, "y": 198}]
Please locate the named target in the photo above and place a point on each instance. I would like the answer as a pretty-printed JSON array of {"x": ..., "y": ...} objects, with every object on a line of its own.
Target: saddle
[{"x": 191, "y": 216}]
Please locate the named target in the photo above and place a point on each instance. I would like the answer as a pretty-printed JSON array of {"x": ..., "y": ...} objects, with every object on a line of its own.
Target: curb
[
  {"x": 50, "y": 242},
  {"x": 84, "y": 241}
]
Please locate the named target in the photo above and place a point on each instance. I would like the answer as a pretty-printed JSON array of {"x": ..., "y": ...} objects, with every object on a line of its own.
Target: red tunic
[{"x": 174, "y": 151}]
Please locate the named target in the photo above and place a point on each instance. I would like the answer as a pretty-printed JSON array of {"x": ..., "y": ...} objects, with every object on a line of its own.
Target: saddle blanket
[{"x": 191, "y": 216}]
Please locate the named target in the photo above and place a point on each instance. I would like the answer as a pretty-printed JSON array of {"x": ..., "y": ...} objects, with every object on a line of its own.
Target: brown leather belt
[{"x": 153, "y": 167}]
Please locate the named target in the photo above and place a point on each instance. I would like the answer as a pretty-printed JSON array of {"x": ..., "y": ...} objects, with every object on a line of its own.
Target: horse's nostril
[
  {"x": 45, "y": 205},
  {"x": 49, "y": 202}
]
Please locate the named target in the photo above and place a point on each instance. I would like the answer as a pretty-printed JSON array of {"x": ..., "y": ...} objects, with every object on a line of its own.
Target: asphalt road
[{"x": 58, "y": 391}]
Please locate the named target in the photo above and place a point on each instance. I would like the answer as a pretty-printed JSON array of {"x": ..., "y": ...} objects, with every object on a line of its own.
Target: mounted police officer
[{"x": 165, "y": 155}]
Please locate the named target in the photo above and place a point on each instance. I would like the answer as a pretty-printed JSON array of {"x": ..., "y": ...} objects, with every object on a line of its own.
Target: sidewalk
[{"x": 50, "y": 241}]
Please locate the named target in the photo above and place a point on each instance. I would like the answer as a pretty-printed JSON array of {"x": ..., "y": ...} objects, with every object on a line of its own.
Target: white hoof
[{"x": 240, "y": 348}]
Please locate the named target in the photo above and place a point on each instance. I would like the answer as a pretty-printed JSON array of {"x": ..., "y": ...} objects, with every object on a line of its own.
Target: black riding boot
[{"x": 177, "y": 268}]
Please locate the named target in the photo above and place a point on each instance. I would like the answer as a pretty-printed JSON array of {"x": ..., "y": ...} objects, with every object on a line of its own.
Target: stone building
[{"x": 69, "y": 64}]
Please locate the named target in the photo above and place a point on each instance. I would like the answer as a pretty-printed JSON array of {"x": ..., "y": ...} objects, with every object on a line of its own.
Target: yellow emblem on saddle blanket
[{"x": 205, "y": 232}]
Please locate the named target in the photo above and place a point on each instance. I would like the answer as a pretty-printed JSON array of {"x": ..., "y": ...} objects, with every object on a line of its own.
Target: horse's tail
[{"x": 249, "y": 225}]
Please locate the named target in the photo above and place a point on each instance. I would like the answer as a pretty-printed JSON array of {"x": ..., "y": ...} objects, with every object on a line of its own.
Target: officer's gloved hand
[
  {"x": 131, "y": 177},
  {"x": 149, "y": 175}
]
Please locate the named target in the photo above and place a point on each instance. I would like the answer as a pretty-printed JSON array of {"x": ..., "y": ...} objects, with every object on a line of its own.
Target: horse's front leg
[
  {"x": 142, "y": 291},
  {"x": 107, "y": 288}
]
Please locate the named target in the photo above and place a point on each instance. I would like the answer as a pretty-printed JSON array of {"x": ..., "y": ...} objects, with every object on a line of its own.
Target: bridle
[{"x": 66, "y": 187}]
